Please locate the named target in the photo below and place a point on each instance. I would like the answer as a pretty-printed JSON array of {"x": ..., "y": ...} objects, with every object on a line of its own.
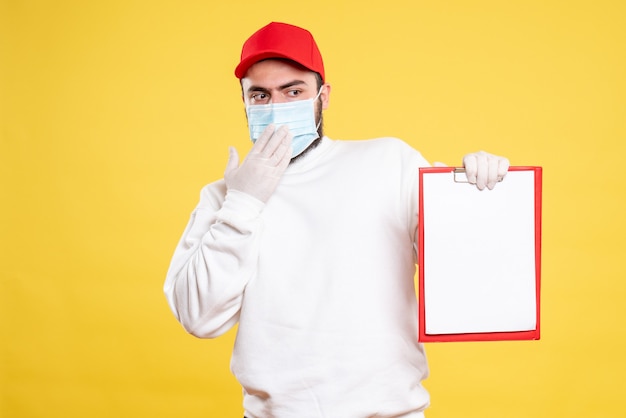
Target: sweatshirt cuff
[{"x": 240, "y": 206}]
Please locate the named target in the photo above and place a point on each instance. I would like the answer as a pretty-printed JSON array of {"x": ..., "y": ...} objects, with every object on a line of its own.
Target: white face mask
[{"x": 298, "y": 116}]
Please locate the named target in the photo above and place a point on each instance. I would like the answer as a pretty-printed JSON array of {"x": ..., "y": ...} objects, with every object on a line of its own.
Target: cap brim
[{"x": 244, "y": 65}]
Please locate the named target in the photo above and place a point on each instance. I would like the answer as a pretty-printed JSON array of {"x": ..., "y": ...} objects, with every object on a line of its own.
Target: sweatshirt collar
[{"x": 311, "y": 158}]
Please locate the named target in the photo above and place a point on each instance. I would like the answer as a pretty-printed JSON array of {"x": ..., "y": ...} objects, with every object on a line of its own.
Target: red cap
[{"x": 280, "y": 40}]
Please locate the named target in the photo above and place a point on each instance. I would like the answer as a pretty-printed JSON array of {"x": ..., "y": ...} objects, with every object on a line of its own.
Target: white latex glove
[
  {"x": 261, "y": 170},
  {"x": 484, "y": 169}
]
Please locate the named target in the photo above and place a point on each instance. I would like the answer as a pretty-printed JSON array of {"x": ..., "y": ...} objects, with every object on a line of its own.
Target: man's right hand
[{"x": 261, "y": 170}]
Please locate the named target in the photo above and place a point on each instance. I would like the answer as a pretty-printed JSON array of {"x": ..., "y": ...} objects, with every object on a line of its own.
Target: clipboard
[{"x": 479, "y": 256}]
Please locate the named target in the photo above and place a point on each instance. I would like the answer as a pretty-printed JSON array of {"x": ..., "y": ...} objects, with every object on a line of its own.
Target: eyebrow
[{"x": 282, "y": 87}]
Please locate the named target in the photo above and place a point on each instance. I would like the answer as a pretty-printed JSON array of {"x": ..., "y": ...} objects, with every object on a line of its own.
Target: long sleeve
[{"x": 214, "y": 260}]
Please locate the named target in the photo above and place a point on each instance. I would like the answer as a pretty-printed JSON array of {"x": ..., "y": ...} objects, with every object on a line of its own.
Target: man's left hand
[{"x": 484, "y": 169}]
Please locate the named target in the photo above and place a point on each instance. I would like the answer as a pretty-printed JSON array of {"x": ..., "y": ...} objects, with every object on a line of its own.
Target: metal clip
[{"x": 459, "y": 175}]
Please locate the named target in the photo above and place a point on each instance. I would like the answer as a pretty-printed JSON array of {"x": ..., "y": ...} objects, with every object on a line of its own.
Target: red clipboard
[{"x": 464, "y": 293}]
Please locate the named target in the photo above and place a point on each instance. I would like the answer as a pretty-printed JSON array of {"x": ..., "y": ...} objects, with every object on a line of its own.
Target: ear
[{"x": 325, "y": 96}]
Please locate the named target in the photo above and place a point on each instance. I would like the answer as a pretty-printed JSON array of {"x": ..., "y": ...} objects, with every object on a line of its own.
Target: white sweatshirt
[{"x": 320, "y": 280}]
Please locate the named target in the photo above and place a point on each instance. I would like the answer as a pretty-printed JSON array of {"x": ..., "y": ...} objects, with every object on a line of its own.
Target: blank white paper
[{"x": 479, "y": 255}]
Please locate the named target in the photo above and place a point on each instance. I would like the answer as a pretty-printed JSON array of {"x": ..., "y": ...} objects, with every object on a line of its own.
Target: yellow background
[{"x": 113, "y": 115}]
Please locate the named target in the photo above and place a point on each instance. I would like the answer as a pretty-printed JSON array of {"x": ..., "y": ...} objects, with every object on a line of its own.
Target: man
[{"x": 310, "y": 245}]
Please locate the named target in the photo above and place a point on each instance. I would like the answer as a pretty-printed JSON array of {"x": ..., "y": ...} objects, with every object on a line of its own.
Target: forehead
[{"x": 273, "y": 73}]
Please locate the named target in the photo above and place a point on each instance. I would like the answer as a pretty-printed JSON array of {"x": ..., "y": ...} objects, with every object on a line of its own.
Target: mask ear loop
[
  {"x": 317, "y": 127},
  {"x": 319, "y": 92}
]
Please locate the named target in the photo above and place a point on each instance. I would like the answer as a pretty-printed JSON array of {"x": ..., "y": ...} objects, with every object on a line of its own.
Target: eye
[
  {"x": 294, "y": 93},
  {"x": 260, "y": 97}
]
